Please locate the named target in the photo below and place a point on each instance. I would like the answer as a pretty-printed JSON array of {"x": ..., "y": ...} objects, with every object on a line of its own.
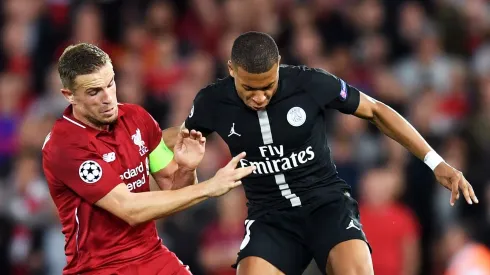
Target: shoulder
[
  {"x": 304, "y": 75},
  {"x": 216, "y": 90},
  {"x": 64, "y": 140},
  {"x": 131, "y": 109},
  {"x": 291, "y": 71},
  {"x": 137, "y": 115}
]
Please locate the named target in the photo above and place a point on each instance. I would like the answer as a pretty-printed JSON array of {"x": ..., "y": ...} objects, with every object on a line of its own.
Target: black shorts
[{"x": 289, "y": 239}]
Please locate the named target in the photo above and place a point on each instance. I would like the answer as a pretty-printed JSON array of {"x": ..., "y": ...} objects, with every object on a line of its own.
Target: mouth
[
  {"x": 258, "y": 108},
  {"x": 108, "y": 111}
]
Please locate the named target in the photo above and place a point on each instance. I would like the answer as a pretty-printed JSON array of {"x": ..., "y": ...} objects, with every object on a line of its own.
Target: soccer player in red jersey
[{"x": 98, "y": 159}]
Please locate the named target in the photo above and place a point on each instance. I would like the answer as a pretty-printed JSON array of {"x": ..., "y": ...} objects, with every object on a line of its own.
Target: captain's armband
[{"x": 160, "y": 157}]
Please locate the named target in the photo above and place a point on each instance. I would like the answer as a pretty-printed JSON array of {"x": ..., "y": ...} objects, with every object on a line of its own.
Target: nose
[
  {"x": 106, "y": 96},
  {"x": 259, "y": 98}
]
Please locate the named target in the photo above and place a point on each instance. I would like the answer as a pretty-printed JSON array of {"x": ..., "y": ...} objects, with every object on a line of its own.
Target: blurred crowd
[{"x": 429, "y": 60}]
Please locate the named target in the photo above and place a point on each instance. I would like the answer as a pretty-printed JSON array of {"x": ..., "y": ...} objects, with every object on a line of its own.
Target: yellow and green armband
[{"x": 160, "y": 157}]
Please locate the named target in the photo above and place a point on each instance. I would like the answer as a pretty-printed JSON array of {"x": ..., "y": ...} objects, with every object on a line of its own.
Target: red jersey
[
  {"x": 82, "y": 165},
  {"x": 387, "y": 230}
]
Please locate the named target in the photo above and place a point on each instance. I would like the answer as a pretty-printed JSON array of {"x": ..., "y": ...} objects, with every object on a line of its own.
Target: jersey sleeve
[
  {"x": 201, "y": 116},
  {"x": 154, "y": 131},
  {"x": 332, "y": 92},
  {"x": 82, "y": 170}
]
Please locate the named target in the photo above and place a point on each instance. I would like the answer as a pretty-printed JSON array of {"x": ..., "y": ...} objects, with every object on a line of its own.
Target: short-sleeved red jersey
[{"x": 82, "y": 165}]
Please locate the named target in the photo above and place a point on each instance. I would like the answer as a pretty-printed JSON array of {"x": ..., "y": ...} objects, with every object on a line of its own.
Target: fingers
[
  {"x": 243, "y": 172},
  {"x": 464, "y": 187},
  {"x": 196, "y": 135},
  {"x": 184, "y": 133},
  {"x": 471, "y": 193},
  {"x": 234, "y": 161},
  {"x": 454, "y": 191}
]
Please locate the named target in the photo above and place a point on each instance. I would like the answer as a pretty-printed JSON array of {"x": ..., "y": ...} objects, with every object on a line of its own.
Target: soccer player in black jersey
[{"x": 299, "y": 208}]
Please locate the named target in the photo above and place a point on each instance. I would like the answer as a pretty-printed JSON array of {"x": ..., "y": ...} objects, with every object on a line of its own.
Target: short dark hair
[
  {"x": 80, "y": 59},
  {"x": 255, "y": 52}
]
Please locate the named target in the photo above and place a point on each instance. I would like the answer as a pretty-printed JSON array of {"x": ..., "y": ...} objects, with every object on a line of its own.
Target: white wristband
[{"x": 432, "y": 159}]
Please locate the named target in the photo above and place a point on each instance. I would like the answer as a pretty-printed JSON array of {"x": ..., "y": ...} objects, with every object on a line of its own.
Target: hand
[
  {"x": 189, "y": 149},
  {"x": 228, "y": 177},
  {"x": 454, "y": 180}
]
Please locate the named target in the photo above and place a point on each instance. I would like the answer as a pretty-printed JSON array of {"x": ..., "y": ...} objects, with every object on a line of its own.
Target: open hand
[
  {"x": 454, "y": 181},
  {"x": 189, "y": 148}
]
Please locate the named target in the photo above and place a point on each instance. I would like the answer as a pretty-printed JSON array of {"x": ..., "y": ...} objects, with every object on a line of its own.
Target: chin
[
  {"x": 110, "y": 120},
  {"x": 101, "y": 122},
  {"x": 257, "y": 108}
]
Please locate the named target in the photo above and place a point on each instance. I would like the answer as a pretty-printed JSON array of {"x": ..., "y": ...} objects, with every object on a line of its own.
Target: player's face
[
  {"x": 94, "y": 97},
  {"x": 256, "y": 90}
]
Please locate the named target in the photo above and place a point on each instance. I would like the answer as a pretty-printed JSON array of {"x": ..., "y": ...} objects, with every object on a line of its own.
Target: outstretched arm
[
  {"x": 396, "y": 127},
  {"x": 174, "y": 177},
  {"x": 136, "y": 208},
  {"x": 393, "y": 125}
]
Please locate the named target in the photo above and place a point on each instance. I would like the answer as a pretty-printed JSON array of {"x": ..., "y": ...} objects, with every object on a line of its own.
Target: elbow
[
  {"x": 375, "y": 112},
  {"x": 378, "y": 110},
  {"x": 132, "y": 221}
]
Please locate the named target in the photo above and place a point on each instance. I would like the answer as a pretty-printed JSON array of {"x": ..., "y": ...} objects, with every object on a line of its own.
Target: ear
[
  {"x": 230, "y": 69},
  {"x": 278, "y": 64},
  {"x": 68, "y": 95}
]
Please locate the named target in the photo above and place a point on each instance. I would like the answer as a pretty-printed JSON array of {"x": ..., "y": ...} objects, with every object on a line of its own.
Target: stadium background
[{"x": 430, "y": 60}]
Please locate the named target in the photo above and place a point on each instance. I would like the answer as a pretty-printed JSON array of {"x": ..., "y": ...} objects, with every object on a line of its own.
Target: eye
[
  {"x": 93, "y": 92},
  {"x": 269, "y": 87},
  {"x": 111, "y": 84}
]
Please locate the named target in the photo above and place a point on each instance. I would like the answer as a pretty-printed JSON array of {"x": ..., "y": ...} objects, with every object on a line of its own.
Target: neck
[{"x": 87, "y": 122}]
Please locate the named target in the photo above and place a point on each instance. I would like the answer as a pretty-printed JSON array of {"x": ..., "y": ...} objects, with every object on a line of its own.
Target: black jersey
[{"x": 287, "y": 142}]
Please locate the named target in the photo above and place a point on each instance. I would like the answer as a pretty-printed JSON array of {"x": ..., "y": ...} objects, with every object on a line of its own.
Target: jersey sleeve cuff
[
  {"x": 353, "y": 101},
  {"x": 102, "y": 191}
]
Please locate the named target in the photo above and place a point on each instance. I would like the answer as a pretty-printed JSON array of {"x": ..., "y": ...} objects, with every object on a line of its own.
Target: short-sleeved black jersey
[{"x": 287, "y": 142}]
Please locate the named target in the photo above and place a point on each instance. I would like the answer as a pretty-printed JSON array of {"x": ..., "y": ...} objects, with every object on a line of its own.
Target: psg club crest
[
  {"x": 90, "y": 171},
  {"x": 296, "y": 116},
  {"x": 138, "y": 140}
]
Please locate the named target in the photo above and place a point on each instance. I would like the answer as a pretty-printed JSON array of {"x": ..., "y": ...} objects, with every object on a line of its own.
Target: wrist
[
  {"x": 432, "y": 159},
  {"x": 186, "y": 169},
  {"x": 205, "y": 188}
]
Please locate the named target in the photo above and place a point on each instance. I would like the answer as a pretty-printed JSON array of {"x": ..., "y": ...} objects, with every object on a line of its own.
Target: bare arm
[
  {"x": 173, "y": 177},
  {"x": 396, "y": 127},
  {"x": 136, "y": 208},
  {"x": 393, "y": 125}
]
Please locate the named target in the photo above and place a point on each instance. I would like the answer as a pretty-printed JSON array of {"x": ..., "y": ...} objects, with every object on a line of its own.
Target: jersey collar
[{"x": 68, "y": 116}]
